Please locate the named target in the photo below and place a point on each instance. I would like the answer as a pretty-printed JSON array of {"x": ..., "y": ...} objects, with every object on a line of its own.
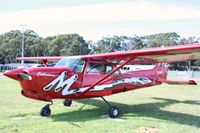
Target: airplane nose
[{"x": 14, "y": 74}]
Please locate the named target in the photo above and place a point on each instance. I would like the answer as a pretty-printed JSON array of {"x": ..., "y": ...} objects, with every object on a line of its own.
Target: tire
[
  {"x": 45, "y": 111},
  {"x": 67, "y": 102},
  {"x": 113, "y": 112}
]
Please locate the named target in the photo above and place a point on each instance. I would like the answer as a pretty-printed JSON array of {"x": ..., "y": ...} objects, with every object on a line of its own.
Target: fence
[
  {"x": 7, "y": 68},
  {"x": 12, "y": 66},
  {"x": 191, "y": 74}
]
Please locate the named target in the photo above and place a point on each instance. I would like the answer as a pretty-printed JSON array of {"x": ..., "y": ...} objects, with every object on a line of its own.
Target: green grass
[{"x": 161, "y": 108}]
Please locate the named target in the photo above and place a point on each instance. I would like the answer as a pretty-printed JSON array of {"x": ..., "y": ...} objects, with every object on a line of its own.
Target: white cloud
[
  {"x": 94, "y": 21},
  {"x": 109, "y": 12}
]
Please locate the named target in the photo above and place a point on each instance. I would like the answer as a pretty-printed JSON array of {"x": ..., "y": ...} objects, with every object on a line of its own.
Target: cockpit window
[{"x": 74, "y": 63}]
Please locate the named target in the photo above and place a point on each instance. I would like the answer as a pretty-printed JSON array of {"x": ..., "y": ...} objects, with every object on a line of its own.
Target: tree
[
  {"x": 10, "y": 45},
  {"x": 46, "y": 42},
  {"x": 118, "y": 43},
  {"x": 104, "y": 45},
  {"x": 35, "y": 46},
  {"x": 161, "y": 39},
  {"x": 190, "y": 40},
  {"x": 135, "y": 42},
  {"x": 68, "y": 45}
]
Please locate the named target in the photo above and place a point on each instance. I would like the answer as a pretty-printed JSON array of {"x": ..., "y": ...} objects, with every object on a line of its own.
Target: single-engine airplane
[{"x": 99, "y": 75}]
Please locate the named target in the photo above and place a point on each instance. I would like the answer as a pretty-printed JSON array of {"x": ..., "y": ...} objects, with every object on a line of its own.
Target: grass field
[{"x": 163, "y": 109}]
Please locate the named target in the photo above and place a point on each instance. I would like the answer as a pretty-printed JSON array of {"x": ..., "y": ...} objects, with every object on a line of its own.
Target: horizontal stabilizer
[
  {"x": 40, "y": 58},
  {"x": 178, "y": 82}
]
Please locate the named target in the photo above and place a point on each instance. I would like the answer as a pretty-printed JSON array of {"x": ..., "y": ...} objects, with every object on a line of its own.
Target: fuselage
[{"x": 73, "y": 76}]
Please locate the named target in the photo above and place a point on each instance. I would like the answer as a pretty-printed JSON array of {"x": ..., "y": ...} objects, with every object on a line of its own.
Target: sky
[{"x": 93, "y": 19}]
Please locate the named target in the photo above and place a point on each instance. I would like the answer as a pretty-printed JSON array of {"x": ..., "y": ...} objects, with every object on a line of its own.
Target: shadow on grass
[{"x": 151, "y": 110}]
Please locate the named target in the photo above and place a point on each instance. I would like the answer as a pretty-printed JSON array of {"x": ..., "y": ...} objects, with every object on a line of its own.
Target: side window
[
  {"x": 108, "y": 69},
  {"x": 95, "y": 68},
  {"x": 117, "y": 72},
  {"x": 99, "y": 69}
]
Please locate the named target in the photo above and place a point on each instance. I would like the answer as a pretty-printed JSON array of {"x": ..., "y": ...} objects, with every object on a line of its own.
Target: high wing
[
  {"x": 142, "y": 56},
  {"x": 145, "y": 56},
  {"x": 152, "y": 55}
]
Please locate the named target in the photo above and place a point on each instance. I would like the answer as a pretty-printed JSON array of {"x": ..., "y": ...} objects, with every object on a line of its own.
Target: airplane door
[{"x": 94, "y": 72}]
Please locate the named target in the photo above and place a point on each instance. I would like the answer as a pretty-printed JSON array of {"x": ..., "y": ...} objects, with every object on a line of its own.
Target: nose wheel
[{"x": 46, "y": 111}]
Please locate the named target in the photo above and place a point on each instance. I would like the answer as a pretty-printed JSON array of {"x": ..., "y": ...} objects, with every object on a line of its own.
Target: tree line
[{"x": 74, "y": 44}]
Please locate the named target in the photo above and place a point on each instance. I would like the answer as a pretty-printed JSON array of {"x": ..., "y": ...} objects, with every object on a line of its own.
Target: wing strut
[
  {"x": 45, "y": 62},
  {"x": 106, "y": 76}
]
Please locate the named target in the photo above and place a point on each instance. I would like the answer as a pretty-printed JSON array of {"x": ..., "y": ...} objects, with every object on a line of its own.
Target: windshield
[{"x": 74, "y": 63}]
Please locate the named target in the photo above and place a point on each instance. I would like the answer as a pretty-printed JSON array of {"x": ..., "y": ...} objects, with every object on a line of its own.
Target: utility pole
[{"x": 22, "y": 44}]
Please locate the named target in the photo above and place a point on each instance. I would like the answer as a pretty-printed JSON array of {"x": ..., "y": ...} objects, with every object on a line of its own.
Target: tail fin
[{"x": 161, "y": 70}]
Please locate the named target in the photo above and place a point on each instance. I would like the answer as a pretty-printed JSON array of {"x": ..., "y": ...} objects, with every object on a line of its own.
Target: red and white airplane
[{"x": 99, "y": 75}]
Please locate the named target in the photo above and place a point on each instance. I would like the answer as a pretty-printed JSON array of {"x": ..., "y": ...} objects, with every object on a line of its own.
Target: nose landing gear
[{"x": 46, "y": 111}]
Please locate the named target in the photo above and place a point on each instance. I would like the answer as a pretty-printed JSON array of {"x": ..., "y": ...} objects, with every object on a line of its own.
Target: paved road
[{"x": 2, "y": 76}]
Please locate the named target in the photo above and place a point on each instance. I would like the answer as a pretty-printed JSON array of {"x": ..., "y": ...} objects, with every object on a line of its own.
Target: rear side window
[
  {"x": 98, "y": 68},
  {"x": 95, "y": 67}
]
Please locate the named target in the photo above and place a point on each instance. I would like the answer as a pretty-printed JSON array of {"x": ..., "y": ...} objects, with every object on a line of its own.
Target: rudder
[{"x": 161, "y": 70}]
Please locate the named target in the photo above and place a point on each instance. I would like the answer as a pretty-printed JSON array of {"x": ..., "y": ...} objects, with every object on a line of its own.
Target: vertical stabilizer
[{"x": 161, "y": 70}]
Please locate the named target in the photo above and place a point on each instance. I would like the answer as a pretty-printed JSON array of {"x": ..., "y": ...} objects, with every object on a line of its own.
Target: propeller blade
[{"x": 24, "y": 76}]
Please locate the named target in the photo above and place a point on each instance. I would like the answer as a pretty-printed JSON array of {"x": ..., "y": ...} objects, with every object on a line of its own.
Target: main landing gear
[
  {"x": 67, "y": 102},
  {"x": 113, "y": 111},
  {"x": 46, "y": 111}
]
